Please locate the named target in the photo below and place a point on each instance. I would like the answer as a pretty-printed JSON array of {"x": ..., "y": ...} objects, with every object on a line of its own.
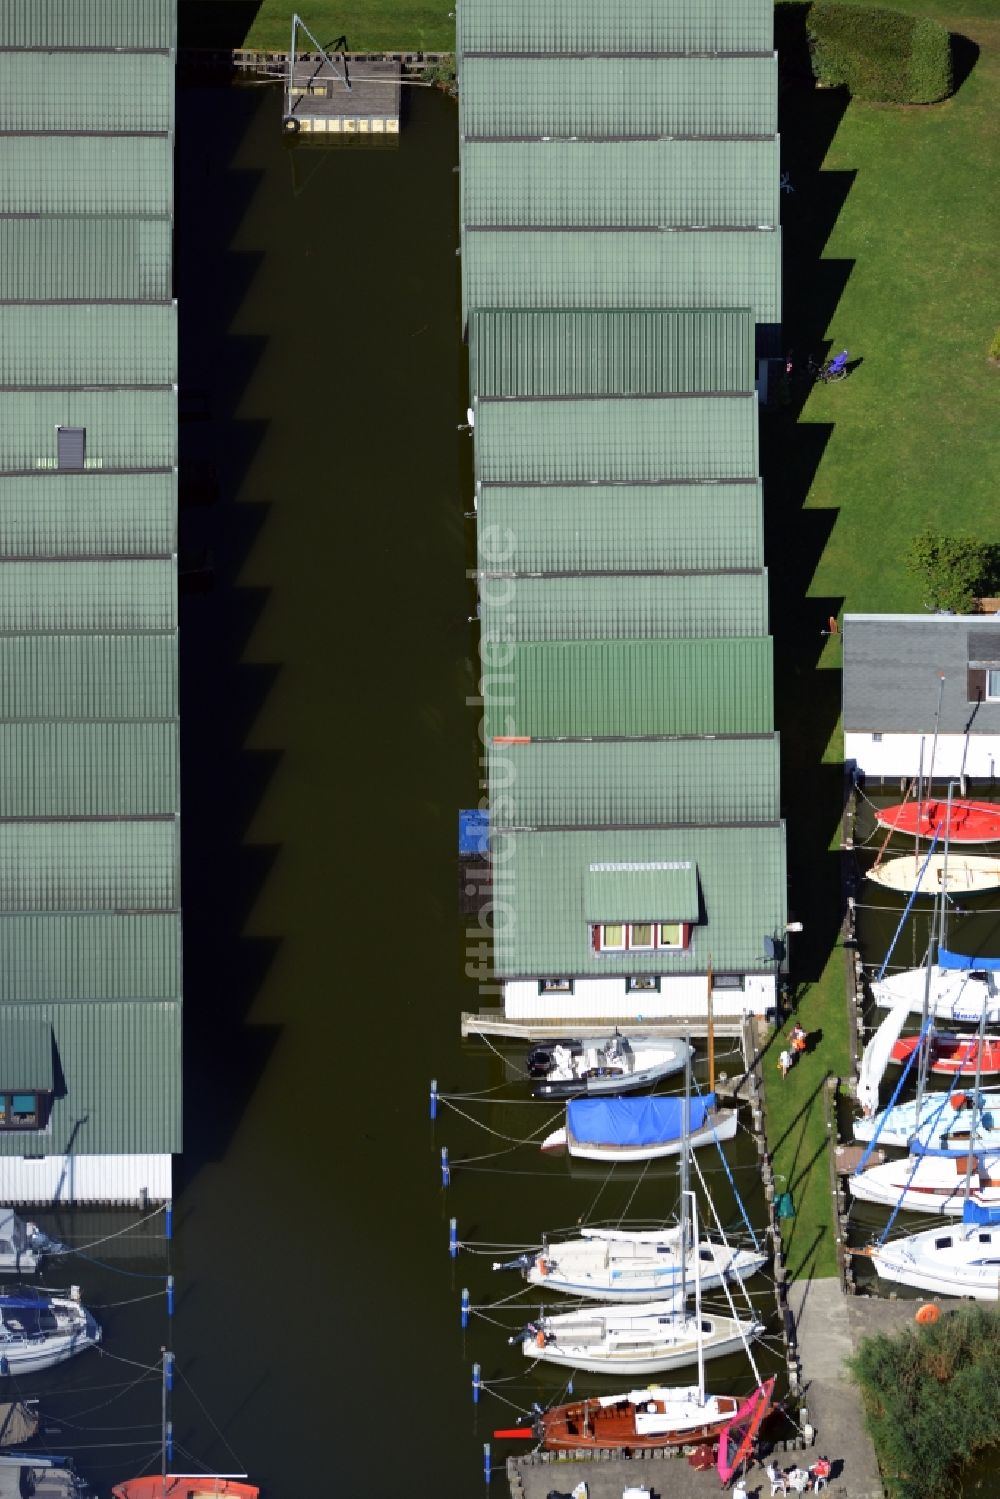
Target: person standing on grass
[{"x": 785, "y": 1063}]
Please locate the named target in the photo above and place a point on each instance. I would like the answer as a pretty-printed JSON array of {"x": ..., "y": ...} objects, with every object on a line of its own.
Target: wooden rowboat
[{"x": 970, "y": 822}]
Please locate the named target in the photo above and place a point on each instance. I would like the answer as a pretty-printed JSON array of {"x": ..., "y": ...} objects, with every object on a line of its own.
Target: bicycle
[{"x": 826, "y": 373}]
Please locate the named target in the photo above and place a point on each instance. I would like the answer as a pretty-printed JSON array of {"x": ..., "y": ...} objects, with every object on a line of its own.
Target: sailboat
[
  {"x": 22, "y": 1473},
  {"x": 638, "y": 1129},
  {"x": 960, "y": 1261},
  {"x": 624, "y": 1265},
  {"x": 953, "y": 1054},
  {"x": 960, "y": 822},
  {"x": 931, "y": 1181},
  {"x": 966, "y": 874},
  {"x": 942, "y": 1120},
  {"x": 961, "y": 989},
  {"x": 38, "y": 1331},
  {"x": 643, "y": 1338}
]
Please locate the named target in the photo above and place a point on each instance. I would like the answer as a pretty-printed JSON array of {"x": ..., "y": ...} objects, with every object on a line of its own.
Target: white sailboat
[
  {"x": 639, "y": 1129},
  {"x": 959, "y": 1261},
  {"x": 939, "y": 1120},
  {"x": 928, "y": 1183},
  {"x": 39, "y": 1331},
  {"x": 960, "y": 991},
  {"x": 624, "y": 1265},
  {"x": 636, "y": 1339},
  {"x": 966, "y": 874}
]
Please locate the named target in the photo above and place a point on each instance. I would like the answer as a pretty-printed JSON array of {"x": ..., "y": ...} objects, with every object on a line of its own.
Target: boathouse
[
  {"x": 90, "y": 926},
  {"x": 908, "y": 677},
  {"x": 621, "y": 273}
]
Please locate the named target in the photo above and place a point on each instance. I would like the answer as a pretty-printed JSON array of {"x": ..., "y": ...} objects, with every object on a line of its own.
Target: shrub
[
  {"x": 880, "y": 55},
  {"x": 995, "y": 347},
  {"x": 956, "y": 570}
]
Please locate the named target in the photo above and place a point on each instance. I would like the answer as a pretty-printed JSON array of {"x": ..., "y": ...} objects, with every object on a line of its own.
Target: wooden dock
[
  {"x": 498, "y": 1023},
  {"x": 338, "y": 97}
]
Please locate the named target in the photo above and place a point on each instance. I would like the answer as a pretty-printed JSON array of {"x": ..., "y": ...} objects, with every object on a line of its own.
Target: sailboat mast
[
  {"x": 970, "y": 1158},
  {"x": 685, "y": 1164},
  {"x": 925, "y": 1050},
  {"x": 920, "y": 802},
  {"x": 163, "y": 1422},
  {"x": 697, "y": 1304},
  {"x": 710, "y": 1012},
  {"x": 944, "y": 864}
]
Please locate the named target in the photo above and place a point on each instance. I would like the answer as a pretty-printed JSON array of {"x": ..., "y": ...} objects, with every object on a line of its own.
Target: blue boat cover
[
  {"x": 634, "y": 1121},
  {"x": 973, "y": 1213},
  {"x": 948, "y": 959}
]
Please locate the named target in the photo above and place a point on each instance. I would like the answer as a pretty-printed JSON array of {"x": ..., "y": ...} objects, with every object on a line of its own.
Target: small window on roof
[{"x": 71, "y": 446}]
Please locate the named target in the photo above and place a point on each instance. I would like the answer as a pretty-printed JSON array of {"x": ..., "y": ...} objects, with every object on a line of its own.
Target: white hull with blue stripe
[{"x": 618, "y": 1265}]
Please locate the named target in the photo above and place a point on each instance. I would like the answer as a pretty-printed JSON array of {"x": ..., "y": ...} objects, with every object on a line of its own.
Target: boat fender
[
  {"x": 928, "y": 1314},
  {"x": 958, "y": 1100},
  {"x": 540, "y": 1339},
  {"x": 290, "y": 125},
  {"x": 543, "y": 1265},
  {"x": 4, "y": 1365}
]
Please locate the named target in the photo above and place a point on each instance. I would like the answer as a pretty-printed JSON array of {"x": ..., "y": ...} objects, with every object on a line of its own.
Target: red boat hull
[
  {"x": 951, "y": 1052},
  {"x": 970, "y": 822},
  {"x": 152, "y": 1487}
]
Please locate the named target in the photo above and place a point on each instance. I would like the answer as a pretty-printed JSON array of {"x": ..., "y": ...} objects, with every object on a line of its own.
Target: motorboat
[
  {"x": 614, "y": 1064},
  {"x": 639, "y": 1129},
  {"x": 962, "y": 822},
  {"x": 941, "y": 1120},
  {"x": 22, "y": 1244},
  {"x": 961, "y": 874},
  {"x": 959, "y": 991},
  {"x": 621, "y": 1265},
  {"x": 947, "y": 1261},
  {"x": 635, "y": 1339},
  {"x": 38, "y": 1331},
  {"x": 23, "y": 1474},
  {"x": 184, "y": 1486},
  {"x": 931, "y": 1182}
]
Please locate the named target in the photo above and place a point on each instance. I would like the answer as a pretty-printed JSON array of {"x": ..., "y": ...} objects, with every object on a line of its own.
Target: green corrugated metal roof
[
  {"x": 627, "y": 26},
  {"x": 597, "y": 528},
  {"x": 52, "y": 514},
  {"x": 88, "y": 596},
  {"x": 649, "y": 352},
  {"x": 125, "y": 428},
  {"x": 609, "y": 441},
  {"x": 621, "y": 268},
  {"x": 628, "y": 688},
  {"x": 741, "y": 879},
  {"x": 88, "y": 769},
  {"x": 89, "y": 866},
  {"x": 86, "y": 91},
  {"x": 623, "y": 890},
  {"x": 633, "y": 782},
  {"x": 634, "y": 607},
  {"x": 97, "y": 956},
  {"x": 650, "y": 184},
  {"x": 609, "y": 98},
  {"x": 88, "y": 676},
  {"x": 25, "y": 1052},
  {"x": 120, "y": 1075},
  {"x": 67, "y": 258},
  {"x": 123, "y": 344},
  {"x": 88, "y": 23},
  {"x": 88, "y": 174}
]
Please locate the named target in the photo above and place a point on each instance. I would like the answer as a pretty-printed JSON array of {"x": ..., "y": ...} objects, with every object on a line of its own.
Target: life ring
[
  {"x": 928, "y": 1314},
  {"x": 290, "y": 125}
]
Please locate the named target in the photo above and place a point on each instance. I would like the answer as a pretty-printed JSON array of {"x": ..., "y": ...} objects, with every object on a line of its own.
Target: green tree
[{"x": 955, "y": 570}]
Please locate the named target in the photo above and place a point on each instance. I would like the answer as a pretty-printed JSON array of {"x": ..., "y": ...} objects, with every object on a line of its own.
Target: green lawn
[
  {"x": 370, "y": 26},
  {"x": 893, "y": 251}
]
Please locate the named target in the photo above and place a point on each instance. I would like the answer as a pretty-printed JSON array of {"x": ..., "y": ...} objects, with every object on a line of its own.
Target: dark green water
[{"x": 327, "y": 748}]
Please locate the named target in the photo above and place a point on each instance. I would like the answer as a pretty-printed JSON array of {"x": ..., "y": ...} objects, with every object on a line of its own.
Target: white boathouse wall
[
  {"x": 98, "y": 1180},
  {"x": 680, "y": 997},
  {"x": 978, "y": 757}
]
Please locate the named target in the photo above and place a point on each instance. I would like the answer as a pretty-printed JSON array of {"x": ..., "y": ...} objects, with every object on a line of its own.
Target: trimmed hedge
[
  {"x": 994, "y": 353},
  {"x": 880, "y": 55}
]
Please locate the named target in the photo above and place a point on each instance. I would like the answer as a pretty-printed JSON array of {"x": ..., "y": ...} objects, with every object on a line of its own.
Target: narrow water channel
[{"x": 327, "y": 748}]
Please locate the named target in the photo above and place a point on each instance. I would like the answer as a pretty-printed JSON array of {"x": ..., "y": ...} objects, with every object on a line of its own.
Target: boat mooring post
[
  {"x": 169, "y": 1221},
  {"x": 170, "y": 1295},
  {"x": 168, "y": 1370},
  {"x": 453, "y": 1238},
  {"x": 434, "y": 1098},
  {"x": 477, "y": 1383},
  {"x": 445, "y": 1167},
  {"x": 465, "y": 1307},
  {"x": 487, "y": 1462}
]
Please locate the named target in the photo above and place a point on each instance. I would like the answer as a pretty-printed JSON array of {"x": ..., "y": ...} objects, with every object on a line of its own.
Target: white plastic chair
[
  {"x": 777, "y": 1478},
  {"x": 819, "y": 1482}
]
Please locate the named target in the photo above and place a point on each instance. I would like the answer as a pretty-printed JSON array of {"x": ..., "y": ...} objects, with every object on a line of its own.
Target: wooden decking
[{"x": 320, "y": 102}]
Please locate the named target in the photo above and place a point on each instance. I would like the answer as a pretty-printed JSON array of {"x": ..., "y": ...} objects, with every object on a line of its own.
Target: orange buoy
[{"x": 928, "y": 1314}]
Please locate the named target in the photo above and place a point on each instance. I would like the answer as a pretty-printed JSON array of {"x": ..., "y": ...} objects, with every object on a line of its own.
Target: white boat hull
[
  {"x": 721, "y": 1126},
  {"x": 618, "y": 1266},
  {"x": 634, "y": 1341},
  {"x": 966, "y": 873},
  {"x": 33, "y": 1355},
  {"x": 958, "y": 995},
  {"x": 956, "y": 1262},
  {"x": 940, "y": 1128},
  {"x": 937, "y": 1186}
]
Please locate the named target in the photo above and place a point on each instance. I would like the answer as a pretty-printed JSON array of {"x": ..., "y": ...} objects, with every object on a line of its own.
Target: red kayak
[
  {"x": 970, "y": 822},
  {"x": 949, "y": 1053},
  {"x": 184, "y": 1486}
]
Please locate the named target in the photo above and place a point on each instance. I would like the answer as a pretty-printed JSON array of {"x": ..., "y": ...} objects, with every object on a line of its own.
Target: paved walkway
[{"x": 828, "y": 1325}]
